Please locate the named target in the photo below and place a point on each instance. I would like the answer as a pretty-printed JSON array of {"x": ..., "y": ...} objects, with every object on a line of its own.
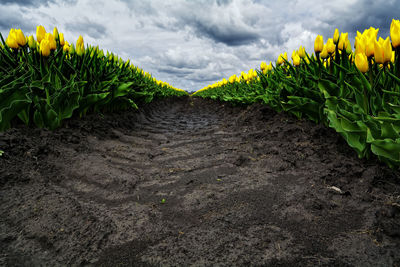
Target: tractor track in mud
[{"x": 193, "y": 182}]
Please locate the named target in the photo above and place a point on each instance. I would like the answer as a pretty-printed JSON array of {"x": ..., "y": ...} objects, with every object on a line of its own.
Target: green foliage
[
  {"x": 47, "y": 90},
  {"x": 363, "y": 108}
]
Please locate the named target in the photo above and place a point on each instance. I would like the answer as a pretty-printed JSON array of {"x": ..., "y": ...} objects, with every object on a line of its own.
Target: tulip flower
[
  {"x": 344, "y": 37},
  {"x": 232, "y": 79},
  {"x": 348, "y": 47},
  {"x": 330, "y": 46},
  {"x": 369, "y": 47},
  {"x": 361, "y": 62},
  {"x": 61, "y": 36},
  {"x": 302, "y": 52},
  {"x": 40, "y": 33},
  {"x": 395, "y": 33},
  {"x": 324, "y": 53},
  {"x": 52, "y": 42},
  {"x": 45, "y": 47},
  {"x": 21, "y": 39},
  {"x": 282, "y": 58},
  {"x": 382, "y": 51},
  {"x": 296, "y": 60},
  {"x": 31, "y": 42},
  {"x": 336, "y": 37},
  {"x": 11, "y": 40},
  {"x": 79, "y": 42},
  {"x": 263, "y": 65},
  {"x": 360, "y": 45},
  {"x": 55, "y": 33},
  {"x": 318, "y": 44},
  {"x": 71, "y": 49},
  {"x": 393, "y": 55}
]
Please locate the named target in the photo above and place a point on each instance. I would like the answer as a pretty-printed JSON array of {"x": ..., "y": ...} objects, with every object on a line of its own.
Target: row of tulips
[
  {"x": 356, "y": 92},
  {"x": 45, "y": 80}
]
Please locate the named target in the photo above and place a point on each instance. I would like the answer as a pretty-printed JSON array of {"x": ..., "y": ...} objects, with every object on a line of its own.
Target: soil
[{"x": 194, "y": 182}]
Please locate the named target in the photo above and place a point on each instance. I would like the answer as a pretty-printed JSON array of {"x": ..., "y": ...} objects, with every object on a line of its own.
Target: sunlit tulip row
[
  {"x": 46, "y": 43},
  {"x": 368, "y": 51}
]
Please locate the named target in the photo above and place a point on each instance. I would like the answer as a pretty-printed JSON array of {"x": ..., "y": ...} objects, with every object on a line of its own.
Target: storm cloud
[{"x": 191, "y": 44}]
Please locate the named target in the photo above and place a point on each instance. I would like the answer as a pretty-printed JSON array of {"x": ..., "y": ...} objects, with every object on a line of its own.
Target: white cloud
[{"x": 193, "y": 43}]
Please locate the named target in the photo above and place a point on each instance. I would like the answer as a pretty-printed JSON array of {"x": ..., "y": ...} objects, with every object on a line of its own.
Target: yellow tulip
[
  {"x": 21, "y": 39},
  {"x": 296, "y": 60},
  {"x": 281, "y": 58},
  {"x": 336, "y": 36},
  {"x": 71, "y": 49},
  {"x": 348, "y": 47},
  {"x": 31, "y": 42},
  {"x": 40, "y": 33},
  {"x": 330, "y": 46},
  {"x": 79, "y": 42},
  {"x": 382, "y": 51},
  {"x": 344, "y": 37},
  {"x": 263, "y": 66},
  {"x": 61, "y": 36},
  {"x": 360, "y": 45},
  {"x": 52, "y": 42},
  {"x": 392, "y": 59},
  {"x": 361, "y": 62},
  {"x": 302, "y": 52},
  {"x": 11, "y": 40},
  {"x": 232, "y": 79},
  {"x": 324, "y": 53},
  {"x": 55, "y": 33},
  {"x": 395, "y": 33},
  {"x": 269, "y": 67},
  {"x": 318, "y": 44},
  {"x": 66, "y": 47},
  {"x": 369, "y": 47},
  {"x": 45, "y": 47}
]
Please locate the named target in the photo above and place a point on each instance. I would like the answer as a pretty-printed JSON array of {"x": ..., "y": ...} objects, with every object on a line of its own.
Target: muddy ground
[{"x": 194, "y": 182}]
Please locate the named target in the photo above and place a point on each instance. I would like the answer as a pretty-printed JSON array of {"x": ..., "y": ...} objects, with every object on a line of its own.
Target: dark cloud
[
  {"x": 85, "y": 26},
  {"x": 33, "y": 3},
  {"x": 227, "y": 34},
  {"x": 13, "y": 19}
]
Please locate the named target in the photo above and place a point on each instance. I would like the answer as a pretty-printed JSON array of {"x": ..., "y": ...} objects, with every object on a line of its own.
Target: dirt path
[{"x": 194, "y": 182}]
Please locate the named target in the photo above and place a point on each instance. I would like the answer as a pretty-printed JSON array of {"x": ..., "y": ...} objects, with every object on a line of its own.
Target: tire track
[{"x": 193, "y": 182}]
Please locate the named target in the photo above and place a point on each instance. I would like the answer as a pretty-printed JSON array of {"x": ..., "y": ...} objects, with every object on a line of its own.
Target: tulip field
[
  {"x": 45, "y": 80},
  {"x": 354, "y": 92},
  {"x": 293, "y": 163}
]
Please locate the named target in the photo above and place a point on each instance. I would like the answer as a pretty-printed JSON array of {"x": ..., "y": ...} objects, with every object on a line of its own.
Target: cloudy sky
[{"x": 191, "y": 44}]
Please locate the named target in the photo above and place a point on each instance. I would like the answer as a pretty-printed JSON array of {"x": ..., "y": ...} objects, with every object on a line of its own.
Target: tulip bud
[
  {"x": 20, "y": 37},
  {"x": 11, "y": 40},
  {"x": 263, "y": 65},
  {"x": 395, "y": 33},
  {"x": 324, "y": 53},
  {"x": 45, "y": 47},
  {"x": 79, "y": 50},
  {"x": 369, "y": 47},
  {"x": 336, "y": 37},
  {"x": 52, "y": 42},
  {"x": 302, "y": 52},
  {"x": 62, "y": 41},
  {"x": 55, "y": 33},
  {"x": 296, "y": 60},
  {"x": 31, "y": 42},
  {"x": 361, "y": 62},
  {"x": 40, "y": 33},
  {"x": 318, "y": 44},
  {"x": 71, "y": 49},
  {"x": 342, "y": 45},
  {"x": 330, "y": 46},
  {"x": 387, "y": 48},
  {"x": 66, "y": 47},
  {"x": 79, "y": 42},
  {"x": 348, "y": 47}
]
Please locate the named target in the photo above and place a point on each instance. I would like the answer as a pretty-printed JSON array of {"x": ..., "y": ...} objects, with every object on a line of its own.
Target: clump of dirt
[{"x": 192, "y": 181}]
